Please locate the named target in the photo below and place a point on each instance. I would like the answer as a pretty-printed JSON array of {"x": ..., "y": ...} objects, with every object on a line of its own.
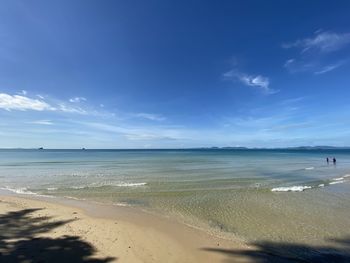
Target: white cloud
[
  {"x": 318, "y": 53},
  {"x": 289, "y": 62},
  {"x": 150, "y": 116},
  {"x": 18, "y": 102},
  {"x": 257, "y": 81},
  {"x": 292, "y": 101},
  {"x": 139, "y": 133},
  {"x": 146, "y": 137},
  {"x": 321, "y": 42},
  {"x": 42, "y": 122},
  {"x": 69, "y": 109},
  {"x": 77, "y": 99},
  {"x": 23, "y": 92},
  {"x": 310, "y": 65},
  {"x": 301, "y": 65},
  {"x": 23, "y": 103},
  {"x": 328, "y": 68}
]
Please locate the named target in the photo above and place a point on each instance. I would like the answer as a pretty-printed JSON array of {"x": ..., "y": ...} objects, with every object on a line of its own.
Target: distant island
[{"x": 319, "y": 147}]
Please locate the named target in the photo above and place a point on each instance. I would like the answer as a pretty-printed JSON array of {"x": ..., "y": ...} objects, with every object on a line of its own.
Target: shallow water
[{"x": 286, "y": 195}]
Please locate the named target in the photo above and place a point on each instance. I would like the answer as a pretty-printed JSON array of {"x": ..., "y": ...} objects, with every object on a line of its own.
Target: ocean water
[{"x": 278, "y": 195}]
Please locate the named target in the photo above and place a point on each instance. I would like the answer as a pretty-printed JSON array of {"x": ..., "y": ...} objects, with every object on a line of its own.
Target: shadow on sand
[
  {"x": 266, "y": 251},
  {"x": 19, "y": 241}
]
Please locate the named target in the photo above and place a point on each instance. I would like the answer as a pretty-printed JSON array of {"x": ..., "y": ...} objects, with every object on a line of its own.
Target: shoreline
[{"x": 124, "y": 233}]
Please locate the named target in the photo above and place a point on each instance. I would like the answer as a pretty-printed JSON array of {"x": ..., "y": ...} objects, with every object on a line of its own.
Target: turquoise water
[{"x": 289, "y": 195}]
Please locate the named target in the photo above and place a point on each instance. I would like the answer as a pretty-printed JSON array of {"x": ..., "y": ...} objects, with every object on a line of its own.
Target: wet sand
[
  {"x": 41, "y": 229},
  {"x": 53, "y": 230}
]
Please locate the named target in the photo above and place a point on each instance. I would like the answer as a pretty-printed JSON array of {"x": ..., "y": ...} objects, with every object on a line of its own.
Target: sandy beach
[{"x": 39, "y": 230}]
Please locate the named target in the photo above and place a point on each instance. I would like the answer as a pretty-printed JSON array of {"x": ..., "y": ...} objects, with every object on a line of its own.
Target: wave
[
  {"x": 78, "y": 187},
  {"x": 22, "y": 191},
  {"x": 301, "y": 188},
  {"x": 337, "y": 182},
  {"x": 115, "y": 184},
  {"x": 130, "y": 184},
  {"x": 310, "y": 168},
  {"x": 121, "y": 204},
  {"x": 339, "y": 179},
  {"x": 296, "y": 188}
]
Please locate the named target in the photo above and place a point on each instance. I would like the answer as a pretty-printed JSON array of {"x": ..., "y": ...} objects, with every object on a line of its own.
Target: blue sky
[{"x": 170, "y": 74}]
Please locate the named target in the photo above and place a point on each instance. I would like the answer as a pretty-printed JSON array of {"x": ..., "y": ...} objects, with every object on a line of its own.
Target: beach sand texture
[
  {"x": 41, "y": 231},
  {"x": 61, "y": 230}
]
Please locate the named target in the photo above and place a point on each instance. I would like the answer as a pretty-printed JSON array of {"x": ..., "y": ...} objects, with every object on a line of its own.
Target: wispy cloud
[
  {"x": 42, "y": 122},
  {"x": 317, "y": 54},
  {"x": 257, "y": 81},
  {"x": 328, "y": 68},
  {"x": 70, "y": 109},
  {"x": 23, "y": 92},
  {"x": 147, "y": 137},
  {"x": 292, "y": 101},
  {"x": 22, "y": 103},
  {"x": 301, "y": 65},
  {"x": 137, "y": 133},
  {"x": 149, "y": 116},
  {"x": 321, "y": 41},
  {"x": 77, "y": 99}
]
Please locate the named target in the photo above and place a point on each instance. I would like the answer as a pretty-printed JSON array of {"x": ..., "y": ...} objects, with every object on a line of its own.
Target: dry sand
[{"x": 60, "y": 230}]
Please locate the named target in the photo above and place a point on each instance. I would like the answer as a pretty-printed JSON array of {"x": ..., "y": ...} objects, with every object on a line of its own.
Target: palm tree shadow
[
  {"x": 267, "y": 251},
  {"x": 19, "y": 241}
]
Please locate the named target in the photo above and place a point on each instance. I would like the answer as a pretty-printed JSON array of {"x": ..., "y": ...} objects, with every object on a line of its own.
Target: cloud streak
[
  {"x": 69, "y": 109},
  {"x": 150, "y": 116},
  {"x": 328, "y": 68},
  {"x": 256, "y": 81},
  {"x": 22, "y": 103},
  {"x": 137, "y": 133},
  {"x": 317, "y": 54},
  {"x": 321, "y": 42},
  {"x": 25, "y": 103},
  {"x": 42, "y": 122},
  {"x": 77, "y": 99}
]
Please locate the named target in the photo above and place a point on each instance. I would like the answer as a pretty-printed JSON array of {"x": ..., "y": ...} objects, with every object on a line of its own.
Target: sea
[{"x": 280, "y": 195}]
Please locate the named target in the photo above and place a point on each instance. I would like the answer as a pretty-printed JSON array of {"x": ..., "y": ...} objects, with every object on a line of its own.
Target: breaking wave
[
  {"x": 22, "y": 191},
  {"x": 296, "y": 188},
  {"x": 115, "y": 184},
  {"x": 301, "y": 188}
]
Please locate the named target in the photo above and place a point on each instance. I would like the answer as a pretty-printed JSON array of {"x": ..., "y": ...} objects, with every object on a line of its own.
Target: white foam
[
  {"x": 309, "y": 168},
  {"x": 339, "y": 179},
  {"x": 337, "y": 182},
  {"x": 297, "y": 188},
  {"x": 75, "y": 198},
  {"x": 347, "y": 175},
  {"x": 78, "y": 187},
  {"x": 22, "y": 191},
  {"x": 130, "y": 184},
  {"x": 321, "y": 185},
  {"x": 117, "y": 184},
  {"x": 51, "y": 189},
  {"x": 121, "y": 204}
]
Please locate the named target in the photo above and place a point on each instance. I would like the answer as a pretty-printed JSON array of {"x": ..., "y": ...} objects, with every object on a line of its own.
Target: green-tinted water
[{"x": 232, "y": 192}]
